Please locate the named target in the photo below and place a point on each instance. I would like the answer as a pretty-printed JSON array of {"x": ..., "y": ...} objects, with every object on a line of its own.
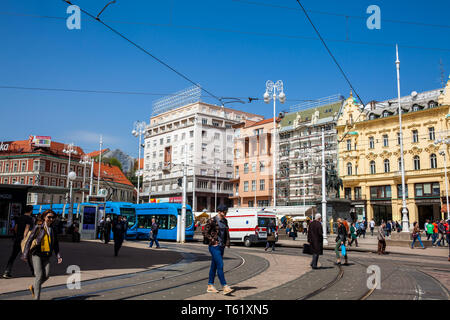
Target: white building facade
[{"x": 200, "y": 135}]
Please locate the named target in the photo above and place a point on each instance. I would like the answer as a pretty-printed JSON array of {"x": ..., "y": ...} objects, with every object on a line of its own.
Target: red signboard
[{"x": 176, "y": 199}]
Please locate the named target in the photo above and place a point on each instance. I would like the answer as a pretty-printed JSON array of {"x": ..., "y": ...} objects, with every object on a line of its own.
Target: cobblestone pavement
[{"x": 284, "y": 274}]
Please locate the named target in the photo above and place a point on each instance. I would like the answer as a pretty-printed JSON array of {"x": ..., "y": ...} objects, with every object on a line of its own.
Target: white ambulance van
[{"x": 250, "y": 226}]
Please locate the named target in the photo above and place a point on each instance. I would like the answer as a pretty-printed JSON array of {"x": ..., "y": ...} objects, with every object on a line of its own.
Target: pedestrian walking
[
  {"x": 40, "y": 245},
  {"x": 435, "y": 232},
  {"x": 271, "y": 235},
  {"x": 372, "y": 226},
  {"x": 218, "y": 236},
  {"x": 315, "y": 239},
  {"x": 398, "y": 227},
  {"x": 101, "y": 226},
  {"x": 293, "y": 232},
  {"x": 429, "y": 229},
  {"x": 353, "y": 236},
  {"x": 381, "y": 239},
  {"x": 118, "y": 230},
  {"x": 425, "y": 227},
  {"x": 305, "y": 227},
  {"x": 448, "y": 237},
  {"x": 441, "y": 233},
  {"x": 340, "y": 242},
  {"x": 364, "y": 228},
  {"x": 107, "y": 229},
  {"x": 416, "y": 235},
  {"x": 22, "y": 225},
  {"x": 154, "y": 234},
  {"x": 388, "y": 228}
]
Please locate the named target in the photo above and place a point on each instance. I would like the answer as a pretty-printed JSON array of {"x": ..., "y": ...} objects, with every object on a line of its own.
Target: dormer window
[
  {"x": 416, "y": 107},
  {"x": 432, "y": 104},
  {"x": 372, "y": 116},
  {"x": 385, "y": 114}
]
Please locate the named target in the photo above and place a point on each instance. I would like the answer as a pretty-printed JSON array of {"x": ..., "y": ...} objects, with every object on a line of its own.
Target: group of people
[{"x": 438, "y": 231}]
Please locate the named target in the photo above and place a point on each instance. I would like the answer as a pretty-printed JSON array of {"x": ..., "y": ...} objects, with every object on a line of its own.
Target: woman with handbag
[
  {"x": 41, "y": 243},
  {"x": 416, "y": 235},
  {"x": 271, "y": 236},
  {"x": 340, "y": 242}
]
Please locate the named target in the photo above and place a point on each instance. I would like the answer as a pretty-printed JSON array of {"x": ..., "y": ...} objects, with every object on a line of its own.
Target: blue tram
[{"x": 166, "y": 216}]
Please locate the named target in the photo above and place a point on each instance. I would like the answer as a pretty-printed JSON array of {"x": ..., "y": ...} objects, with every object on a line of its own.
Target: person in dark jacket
[
  {"x": 107, "y": 229},
  {"x": 271, "y": 235},
  {"x": 315, "y": 239},
  {"x": 23, "y": 224},
  {"x": 118, "y": 229},
  {"x": 154, "y": 234},
  {"x": 218, "y": 236},
  {"x": 42, "y": 242},
  {"x": 340, "y": 241}
]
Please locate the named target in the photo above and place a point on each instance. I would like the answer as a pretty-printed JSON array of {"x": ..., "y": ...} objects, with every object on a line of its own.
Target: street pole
[
  {"x": 99, "y": 164},
  {"x": 446, "y": 185},
  {"x": 405, "y": 220},
  {"x": 324, "y": 198},
  {"x": 183, "y": 208},
  {"x": 215, "y": 191},
  {"x": 92, "y": 177},
  {"x": 256, "y": 183},
  {"x": 194, "y": 185},
  {"x": 84, "y": 179}
]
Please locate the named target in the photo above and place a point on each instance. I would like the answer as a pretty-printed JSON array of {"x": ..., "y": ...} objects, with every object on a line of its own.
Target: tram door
[{"x": 88, "y": 221}]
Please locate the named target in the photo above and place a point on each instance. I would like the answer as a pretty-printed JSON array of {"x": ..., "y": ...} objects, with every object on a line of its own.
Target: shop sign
[{"x": 4, "y": 146}]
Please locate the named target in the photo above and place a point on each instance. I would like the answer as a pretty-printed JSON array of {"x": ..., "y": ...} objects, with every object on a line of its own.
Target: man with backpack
[{"x": 23, "y": 224}]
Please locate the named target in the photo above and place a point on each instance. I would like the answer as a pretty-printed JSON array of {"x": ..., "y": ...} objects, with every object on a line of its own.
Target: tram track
[{"x": 162, "y": 278}]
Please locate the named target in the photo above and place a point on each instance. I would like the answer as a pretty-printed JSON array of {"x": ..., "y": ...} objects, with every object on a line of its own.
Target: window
[
  {"x": 7, "y": 166},
  {"x": 204, "y": 121},
  {"x": 253, "y": 185},
  {"x": 371, "y": 143},
  {"x": 245, "y": 185},
  {"x": 349, "y": 145},
  {"x": 415, "y": 107},
  {"x": 154, "y": 154},
  {"x": 416, "y": 163},
  {"x": 427, "y": 189},
  {"x": 216, "y": 136},
  {"x": 191, "y": 134},
  {"x": 262, "y": 184},
  {"x": 398, "y": 138},
  {"x": 161, "y": 141},
  {"x": 387, "y": 167},
  {"x": 23, "y": 166},
  {"x": 372, "y": 167},
  {"x": 431, "y": 134},
  {"x": 183, "y": 135},
  {"x": 253, "y": 166},
  {"x": 349, "y": 169},
  {"x": 385, "y": 113},
  {"x": 433, "y": 162},
  {"x": 372, "y": 116},
  {"x": 357, "y": 193},
  {"x": 432, "y": 104},
  {"x": 348, "y": 193},
  {"x": 399, "y": 164},
  {"x": 15, "y": 167},
  {"x": 245, "y": 167},
  {"x": 236, "y": 171},
  {"x": 385, "y": 140},
  {"x": 415, "y": 136},
  {"x": 400, "y": 192},
  {"x": 175, "y": 138},
  {"x": 215, "y": 124},
  {"x": 380, "y": 192}
]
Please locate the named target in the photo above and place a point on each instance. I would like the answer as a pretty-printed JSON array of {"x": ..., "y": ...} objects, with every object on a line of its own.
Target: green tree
[
  {"x": 132, "y": 174},
  {"x": 113, "y": 161}
]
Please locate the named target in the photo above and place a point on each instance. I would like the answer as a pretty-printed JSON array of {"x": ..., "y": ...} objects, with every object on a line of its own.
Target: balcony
[{"x": 357, "y": 198}]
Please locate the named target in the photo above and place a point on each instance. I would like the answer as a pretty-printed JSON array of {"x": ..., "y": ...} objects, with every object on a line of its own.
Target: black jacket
[
  {"x": 38, "y": 233},
  {"x": 315, "y": 237},
  {"x": 342, "y": 233}
]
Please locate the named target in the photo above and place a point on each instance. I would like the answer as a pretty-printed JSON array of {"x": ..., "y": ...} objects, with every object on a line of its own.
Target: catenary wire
[
  {"x": 264, "y": 34},
  {"x": 147, "y": 52}
]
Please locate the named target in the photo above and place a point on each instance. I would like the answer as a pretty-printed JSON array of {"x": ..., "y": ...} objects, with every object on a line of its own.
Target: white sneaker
[{"x": 211, "y": 289}]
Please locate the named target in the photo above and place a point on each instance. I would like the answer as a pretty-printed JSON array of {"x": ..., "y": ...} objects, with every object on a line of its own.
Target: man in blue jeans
[
  {"x": 218, "y": 236},
  {"x": 154, "y": 234}
]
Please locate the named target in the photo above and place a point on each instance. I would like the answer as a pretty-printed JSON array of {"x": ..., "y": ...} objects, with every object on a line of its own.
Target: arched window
[
  {"x": 372, "y": 116},
  {"x": 416, "y": 163},
  {"x": 385, "y": 113},
  {"x": 433, "y": 161},
  {"x": 372, "y": 167},
  {"x": 387, "y": 167},
  {"x": 416, "y": 107},
  {"x": 349, "y": 169},
  {"x": 432, "y": 104}
]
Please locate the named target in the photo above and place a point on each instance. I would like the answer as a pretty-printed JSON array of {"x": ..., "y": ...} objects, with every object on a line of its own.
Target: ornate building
[{"x": 369, "y": 155}]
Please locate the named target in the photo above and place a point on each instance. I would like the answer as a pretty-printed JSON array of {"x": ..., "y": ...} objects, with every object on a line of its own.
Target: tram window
[
  {"x": 172, "y": 222},
  {"x": 164, "y": 221},
  {"x": 188, "y": 217}
]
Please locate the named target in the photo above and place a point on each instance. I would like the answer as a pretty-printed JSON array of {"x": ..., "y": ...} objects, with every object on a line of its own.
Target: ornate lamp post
[
  {"x": 84, "y": 161},
  {"x": 138, "y": 131},
  {"x": 71, "y": 177},
  {"x": 442, "y": 153},
  {"x": 276, "y": 90}
]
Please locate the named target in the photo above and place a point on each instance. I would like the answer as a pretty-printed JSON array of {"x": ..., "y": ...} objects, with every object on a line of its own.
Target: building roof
[
  {"x": 260, "y": 123},
  {"x": 409, "y": 103},
  {"x": 25, "y": 146},
  {"x": 94, "y": 154},
  {"x": 326, "y": 111},
  {"x": 111, "y": 173}
]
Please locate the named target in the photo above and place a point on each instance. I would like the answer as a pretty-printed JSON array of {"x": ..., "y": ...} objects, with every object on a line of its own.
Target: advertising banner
[{"x": 41, "y": 141}]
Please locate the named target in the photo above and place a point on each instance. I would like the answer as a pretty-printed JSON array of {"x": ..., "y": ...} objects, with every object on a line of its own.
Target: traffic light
[{"x": 180, "y": 182}]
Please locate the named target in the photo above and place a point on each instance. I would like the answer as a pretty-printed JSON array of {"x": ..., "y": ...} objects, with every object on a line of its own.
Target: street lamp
[
  {"x": 442, "y": 153},
  {"x": 276, "y": 89},
  {"x": 85, "y": 159},
  {"x": 138, "y": 131},
  {"x": 405, "y": 219},
  {"x": 71, "y": 177},
  {"x": 69, "y": 149}
]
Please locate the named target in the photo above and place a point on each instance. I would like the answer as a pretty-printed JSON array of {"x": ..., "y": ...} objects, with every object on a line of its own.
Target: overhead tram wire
[
  {"x": 252, "y": 33},
  {"x": 336, "y": 62},
  {"x": 146, "y": 52}
]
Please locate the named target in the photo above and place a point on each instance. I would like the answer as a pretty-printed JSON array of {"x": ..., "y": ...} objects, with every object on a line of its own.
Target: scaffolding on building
[{"x": 176, "y": 100}]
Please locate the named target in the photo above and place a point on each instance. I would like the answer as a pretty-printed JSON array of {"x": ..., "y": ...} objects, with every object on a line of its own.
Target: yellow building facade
[{"x": 369, "y": 156}]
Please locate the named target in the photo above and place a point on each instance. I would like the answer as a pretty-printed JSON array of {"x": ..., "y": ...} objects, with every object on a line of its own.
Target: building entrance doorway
[
  {"x": 381, "y": 212},
  {"x": 425, "y": 212}
]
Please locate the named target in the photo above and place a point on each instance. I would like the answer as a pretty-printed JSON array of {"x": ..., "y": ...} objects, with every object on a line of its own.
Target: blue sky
[{"x": 230, "y": 47}]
